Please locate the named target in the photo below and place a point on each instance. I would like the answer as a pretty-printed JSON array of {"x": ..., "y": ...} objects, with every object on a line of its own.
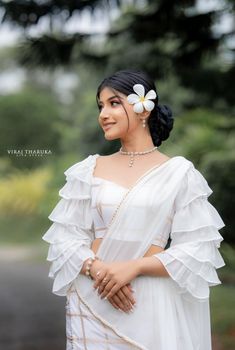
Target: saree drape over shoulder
[{"x": 169, "y": 201}]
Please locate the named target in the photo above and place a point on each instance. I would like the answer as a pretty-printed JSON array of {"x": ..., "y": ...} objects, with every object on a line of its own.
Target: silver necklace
[{"x": 132, "y": 154}]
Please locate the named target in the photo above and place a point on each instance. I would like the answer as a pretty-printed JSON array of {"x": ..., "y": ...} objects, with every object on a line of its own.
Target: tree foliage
[
  {"x": 164, "y": 37},
  {"x": 29, "y": 121}
]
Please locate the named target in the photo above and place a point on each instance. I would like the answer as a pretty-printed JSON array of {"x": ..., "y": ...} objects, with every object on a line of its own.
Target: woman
[{"x": 125, "y": 289}]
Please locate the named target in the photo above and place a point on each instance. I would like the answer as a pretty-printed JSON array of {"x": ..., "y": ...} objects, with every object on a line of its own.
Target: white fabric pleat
[
  {"x": 71, "y": 234},
  {"x": 193, "y": 256}
]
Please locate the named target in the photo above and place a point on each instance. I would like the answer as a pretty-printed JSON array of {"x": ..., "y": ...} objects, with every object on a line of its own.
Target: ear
[{"x": 145, "y": 114}]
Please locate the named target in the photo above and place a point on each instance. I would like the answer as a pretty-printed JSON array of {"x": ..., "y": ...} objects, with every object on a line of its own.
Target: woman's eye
[{"x": 114, "y": 103}]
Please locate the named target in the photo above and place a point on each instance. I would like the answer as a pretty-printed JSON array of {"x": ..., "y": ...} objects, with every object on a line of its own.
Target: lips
[{"x": 108, "y": 125}]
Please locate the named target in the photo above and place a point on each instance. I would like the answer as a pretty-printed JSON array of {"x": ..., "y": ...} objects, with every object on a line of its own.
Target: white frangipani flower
[{"x": 141, "y": 101}]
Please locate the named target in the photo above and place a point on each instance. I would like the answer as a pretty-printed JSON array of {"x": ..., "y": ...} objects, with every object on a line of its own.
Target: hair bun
[{"x": 161, "y": 123}]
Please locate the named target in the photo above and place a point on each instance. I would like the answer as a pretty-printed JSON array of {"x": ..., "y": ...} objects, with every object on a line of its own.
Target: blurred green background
[{"x": 49, "y": 75}]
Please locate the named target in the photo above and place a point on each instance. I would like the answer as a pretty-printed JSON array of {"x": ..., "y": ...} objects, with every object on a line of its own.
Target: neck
[
  {"x": 140, "y": 148},
  {"x": 137, "y": 144},
  {"x": 137, "y": 140}
]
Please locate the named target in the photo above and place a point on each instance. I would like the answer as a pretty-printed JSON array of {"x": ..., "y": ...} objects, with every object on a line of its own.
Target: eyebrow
[{"x": 110, "y": 98}]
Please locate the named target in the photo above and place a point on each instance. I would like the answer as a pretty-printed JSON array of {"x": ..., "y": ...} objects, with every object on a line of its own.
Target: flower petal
[
  {"x": 149, "y": 105},
  {"x": 133, "y": 98},
  {"x": 139, "y": 89},
  {"x": 138, "y": 107},
  {"x": 151, "y": 95}
]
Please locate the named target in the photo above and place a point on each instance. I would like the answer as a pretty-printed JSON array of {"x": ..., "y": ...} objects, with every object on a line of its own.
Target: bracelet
[{"x": 88, "y": 266}]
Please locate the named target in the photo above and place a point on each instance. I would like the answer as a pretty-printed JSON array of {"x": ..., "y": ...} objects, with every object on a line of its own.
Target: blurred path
[{"x": 31, "y": 317}]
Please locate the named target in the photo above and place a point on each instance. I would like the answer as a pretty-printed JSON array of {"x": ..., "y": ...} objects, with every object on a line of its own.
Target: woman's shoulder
[
  {"x": 83, "y": 165},
  {"x": 182, "y": 159},
  {"x": 187, "y": 163},
  {"x": 194, "y": 184},
  {"x": 192, "y": 170}
]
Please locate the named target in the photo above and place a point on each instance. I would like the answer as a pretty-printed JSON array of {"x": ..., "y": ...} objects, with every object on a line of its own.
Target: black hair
[{"x": 160, "y": 121}]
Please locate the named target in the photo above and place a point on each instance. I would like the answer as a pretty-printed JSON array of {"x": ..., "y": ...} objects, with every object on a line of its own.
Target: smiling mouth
[{"x": 107, "y": 126}]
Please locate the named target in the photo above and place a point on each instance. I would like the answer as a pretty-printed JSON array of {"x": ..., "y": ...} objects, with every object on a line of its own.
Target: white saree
[{"x": 168, "y": 201}]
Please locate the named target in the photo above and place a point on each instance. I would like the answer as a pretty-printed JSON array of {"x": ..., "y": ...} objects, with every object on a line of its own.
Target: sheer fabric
[
  {"x": 105, "y": 197},
  {"x": 170, "y": 200}
]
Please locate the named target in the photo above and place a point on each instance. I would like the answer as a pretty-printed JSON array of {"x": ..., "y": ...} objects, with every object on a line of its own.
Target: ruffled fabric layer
[
  {"x": 71, "y": 234},
  {"x": 193, "y": 256}
]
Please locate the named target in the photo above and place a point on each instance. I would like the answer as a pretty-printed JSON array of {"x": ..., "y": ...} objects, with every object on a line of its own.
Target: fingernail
[{"x": 105, "y": 298}]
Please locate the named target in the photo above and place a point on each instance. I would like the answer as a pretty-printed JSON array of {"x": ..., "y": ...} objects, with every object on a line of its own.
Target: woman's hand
[
  {"x": 111, "y": 277},
  {"x": 123, "y": 300}
]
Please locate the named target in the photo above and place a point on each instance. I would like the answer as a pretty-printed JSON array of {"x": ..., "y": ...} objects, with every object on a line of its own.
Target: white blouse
[
  {"x": 180, "y": 212},
  {"x": 105, "y": 197},
  {"x": 170, "y": 201}
]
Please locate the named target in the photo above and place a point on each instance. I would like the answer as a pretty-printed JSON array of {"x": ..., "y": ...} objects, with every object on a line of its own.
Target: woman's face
[{"x": 112, "y": 118}]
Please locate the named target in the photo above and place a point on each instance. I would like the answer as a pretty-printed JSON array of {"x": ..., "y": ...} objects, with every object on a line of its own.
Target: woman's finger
[
  {"x": 129, "y": 286},
  {"x": 125, "y": 300},
  {"x": 112, "y": 302},
  {"x": 102, "y": 285},
  {"x": 107, "y": 289},
  {"x": 119, "y": 302},
  {"x": 129, "y": 295},
  {"x": 99, "y": 276},
  {"x": 113, "y": 291}
]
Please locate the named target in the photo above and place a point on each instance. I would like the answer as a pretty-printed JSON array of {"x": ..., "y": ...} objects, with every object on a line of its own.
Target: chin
[{"x": 110, "y": 136}]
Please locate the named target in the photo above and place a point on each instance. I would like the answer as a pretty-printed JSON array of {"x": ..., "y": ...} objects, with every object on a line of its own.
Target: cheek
[
  {"x": 121, "y": 117},
  {"x": 133, "y": 120},
  {"x": 133, "y": 117},
  {"x": 129, "y": 115}
]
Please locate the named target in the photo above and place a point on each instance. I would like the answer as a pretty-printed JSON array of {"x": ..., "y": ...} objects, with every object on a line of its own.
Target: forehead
[{"x": 107, "y": 93}]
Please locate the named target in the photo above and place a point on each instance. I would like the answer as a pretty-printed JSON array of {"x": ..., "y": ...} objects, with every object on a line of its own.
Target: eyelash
[{"x": 100, "y": 106}]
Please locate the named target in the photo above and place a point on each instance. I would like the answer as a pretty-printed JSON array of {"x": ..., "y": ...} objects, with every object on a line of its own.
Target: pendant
[{"x": 131, "y": 160}]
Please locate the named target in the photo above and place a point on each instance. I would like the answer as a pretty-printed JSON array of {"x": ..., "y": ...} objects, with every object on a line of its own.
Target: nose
[{"x": 104, "y": 113}]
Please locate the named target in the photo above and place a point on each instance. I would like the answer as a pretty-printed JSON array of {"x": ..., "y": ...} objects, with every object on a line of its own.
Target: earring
[{"x": 144, "y": 123}]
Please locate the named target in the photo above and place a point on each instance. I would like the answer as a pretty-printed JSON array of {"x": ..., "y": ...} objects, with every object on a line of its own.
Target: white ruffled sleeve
[
  {"x": 193, "y": 256},
  {"x": 71, "y": 234}
]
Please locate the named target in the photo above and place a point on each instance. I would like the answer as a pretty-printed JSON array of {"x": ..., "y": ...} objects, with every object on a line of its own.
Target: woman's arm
[
  {"x": 148, "y": 265},
  {"x": 119, "y": 274},
  {"x": 123, "y": 299},
  {"x": 151, "y": 266}
]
